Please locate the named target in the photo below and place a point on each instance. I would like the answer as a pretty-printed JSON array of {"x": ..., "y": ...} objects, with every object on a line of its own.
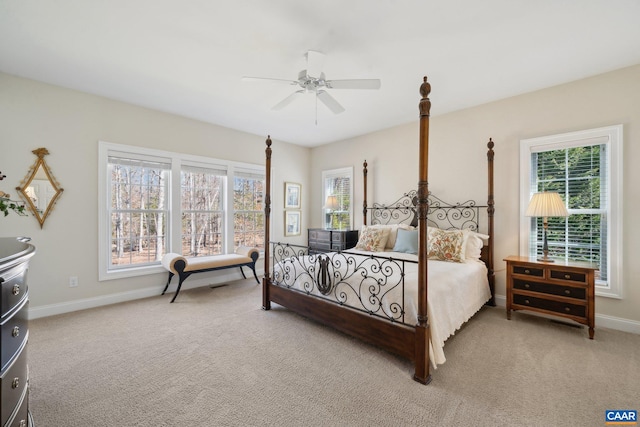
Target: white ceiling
[{"x": 187, "y": 57}]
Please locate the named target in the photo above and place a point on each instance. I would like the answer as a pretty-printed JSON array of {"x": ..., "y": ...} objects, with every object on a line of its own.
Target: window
[
  {"x": 138, "y": 211},
  {"x": 248, "y": 220},
  {"x": 585, "y": 168},
  {"x": 201, "y": 195},
  {"x": 153, "y": 202},
  {"x": 338, "y": 183}
]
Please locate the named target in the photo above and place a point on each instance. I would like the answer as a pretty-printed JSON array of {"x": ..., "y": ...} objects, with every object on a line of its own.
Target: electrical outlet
[{"x": 73, "y": 281}]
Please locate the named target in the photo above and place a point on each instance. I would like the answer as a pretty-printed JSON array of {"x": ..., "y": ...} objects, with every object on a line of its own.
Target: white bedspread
[{"x": 456, "y": 291}]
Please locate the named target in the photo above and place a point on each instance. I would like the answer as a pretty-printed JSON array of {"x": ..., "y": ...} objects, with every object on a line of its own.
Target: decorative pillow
[
  {"x": 407, "y": 241},
  {"x": 475, "y": 242},
  {"x": 373, "y": 239},
  {"x": 446, "y": 245},
  {"x": 393, "y": 232}
]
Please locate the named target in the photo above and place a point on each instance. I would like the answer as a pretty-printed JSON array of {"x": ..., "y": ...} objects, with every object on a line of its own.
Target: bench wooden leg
[
  {"x": 182, "y": 279},
  {"x": 168, "y": 281},
  {"x": 255, "y": 274},
  {"x": 242, "y": 271}
]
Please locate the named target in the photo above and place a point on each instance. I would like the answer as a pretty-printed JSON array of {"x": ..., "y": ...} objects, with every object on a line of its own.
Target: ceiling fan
[{"x": 313, "y": 80}]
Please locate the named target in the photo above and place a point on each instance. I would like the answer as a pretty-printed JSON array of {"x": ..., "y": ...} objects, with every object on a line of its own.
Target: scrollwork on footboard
[{"x": 367, "y": 283}]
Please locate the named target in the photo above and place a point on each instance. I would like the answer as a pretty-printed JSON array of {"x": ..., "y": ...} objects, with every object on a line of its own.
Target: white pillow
[{"x": 474, "y": 244}]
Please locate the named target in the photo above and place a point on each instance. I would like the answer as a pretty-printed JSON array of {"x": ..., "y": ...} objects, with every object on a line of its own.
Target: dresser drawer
[
  {"x": 20, "y": 417},
  {"x": 528, "y": 271},
  {"x": 569, "y": 276},
  {"x": 549, "y": 288},
  {"x": 555, "y": 306},
  {"x": 14, "y": 288},
  {"x": 12, "y": 385},
  {"x": 321, "y": 246},
  {"x": 338, "y": 237},
  {"x": 13, "y": 331},
  {"x": 320, "y": 235}
]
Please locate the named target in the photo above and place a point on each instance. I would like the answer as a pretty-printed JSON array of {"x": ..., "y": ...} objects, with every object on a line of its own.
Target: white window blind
[{"x": 579, "y": 175}]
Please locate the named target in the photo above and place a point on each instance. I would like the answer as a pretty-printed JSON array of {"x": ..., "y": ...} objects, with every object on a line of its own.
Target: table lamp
[
  {"x": 546, "y": 204},
  {"x": 331, "y": 204}
]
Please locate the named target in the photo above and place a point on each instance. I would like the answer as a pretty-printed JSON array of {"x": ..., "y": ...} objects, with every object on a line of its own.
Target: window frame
[
  {"x": 337, "y": 173},
  {"x": 252, "y": 175},
  {"x": 174, "y": 230},
  {"x": 612, "y": 137}
]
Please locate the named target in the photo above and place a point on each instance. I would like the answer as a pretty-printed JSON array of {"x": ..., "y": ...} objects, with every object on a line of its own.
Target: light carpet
[{"x": 215, "y": 358}]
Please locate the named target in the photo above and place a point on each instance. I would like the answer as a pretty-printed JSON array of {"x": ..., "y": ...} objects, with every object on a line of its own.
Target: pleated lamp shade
[{"x": 546, "y": 204}]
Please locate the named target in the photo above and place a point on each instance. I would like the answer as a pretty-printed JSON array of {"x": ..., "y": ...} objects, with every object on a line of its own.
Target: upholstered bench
[{"x": 186, "y": 266}]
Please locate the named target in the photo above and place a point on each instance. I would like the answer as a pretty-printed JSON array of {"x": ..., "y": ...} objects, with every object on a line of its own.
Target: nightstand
[
  {"x": 560, "y": 288},
  {"x": 329, "y": 240}
]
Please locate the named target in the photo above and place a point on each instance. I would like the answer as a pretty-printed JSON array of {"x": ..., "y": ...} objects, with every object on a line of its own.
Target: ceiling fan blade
[
  {"x": 288, "y": 100},
  {"x": 315, "y": 63},
  {"x": 260, "y": 79},
  {"x": 330, "y": 102},
  {"x": 354, "y": 84}
]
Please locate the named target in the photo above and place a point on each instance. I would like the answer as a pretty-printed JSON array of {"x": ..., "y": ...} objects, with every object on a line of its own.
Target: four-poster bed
[{"x": 382, "y": 297}]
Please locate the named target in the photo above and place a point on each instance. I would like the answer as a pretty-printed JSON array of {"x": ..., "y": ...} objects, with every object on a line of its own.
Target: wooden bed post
[
  {"x": 364, "y": 203},
  {"x": 266, "y": 299},
  {"x": 422, "y": 328},
  {"x": 490, "y": 211}
]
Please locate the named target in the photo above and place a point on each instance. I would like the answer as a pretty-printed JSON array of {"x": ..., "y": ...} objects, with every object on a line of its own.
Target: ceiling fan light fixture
[{"x": 313, "y": 80}]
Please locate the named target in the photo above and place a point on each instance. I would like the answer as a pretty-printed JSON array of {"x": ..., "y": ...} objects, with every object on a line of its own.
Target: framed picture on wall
[
  {"x": 292, "y": 195},
  {"x": 292, "y": 223}
]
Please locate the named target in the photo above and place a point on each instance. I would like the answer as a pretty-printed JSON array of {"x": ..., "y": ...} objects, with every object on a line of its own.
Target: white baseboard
[
  {"x": 216, "y": 278},
  {"x": 626, "y": 325},
  {"x": 602, "y": 320}
]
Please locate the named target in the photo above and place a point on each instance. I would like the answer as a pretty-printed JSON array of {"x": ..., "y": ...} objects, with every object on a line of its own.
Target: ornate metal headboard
[{"x": 441, "y": 214}]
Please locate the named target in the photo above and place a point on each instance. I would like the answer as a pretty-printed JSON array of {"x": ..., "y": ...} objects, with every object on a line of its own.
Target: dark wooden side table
[
  {"x": 565, "y": 289},
  {"x": 330, "y": 240}
]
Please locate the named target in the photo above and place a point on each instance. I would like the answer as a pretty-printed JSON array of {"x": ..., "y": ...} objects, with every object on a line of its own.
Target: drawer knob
[
  {"x": 526, "y": 285},
  {"x": 15, "y": 383},
  {"x": 16, "y": 289},
  {"x": 567, "y": 291},
  {"x": 526, "y": 301},
  {"x": 15, "y": 332},
  {"x": 567, "y": 276},
  {"x": 567, "y": 309},
  {"x": 526, "y": 270}
]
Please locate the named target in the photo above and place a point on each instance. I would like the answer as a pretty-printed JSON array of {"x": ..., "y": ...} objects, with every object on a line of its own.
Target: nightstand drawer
[
  {"x": 547, "y": 288},
  {"x": 568, "y": 275},
  {"x": 528, "y": 271},
  {"x": 555, "y": 306}
]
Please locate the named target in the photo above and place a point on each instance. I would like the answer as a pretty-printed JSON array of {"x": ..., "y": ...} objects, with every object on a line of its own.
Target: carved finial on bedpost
[
  {"x": 266, "y": 282},
  {"x": 364, "y": 203},
  {"x": 425, "y": 102}
]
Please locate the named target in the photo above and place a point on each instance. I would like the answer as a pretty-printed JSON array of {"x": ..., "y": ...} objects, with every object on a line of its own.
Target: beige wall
[
  {"x": 457, "y": 161},
  {"x": 70, "y": 124}
]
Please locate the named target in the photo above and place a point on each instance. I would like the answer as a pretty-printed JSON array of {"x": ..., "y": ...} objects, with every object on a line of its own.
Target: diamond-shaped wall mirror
[{"x": 39, "y": 188}]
